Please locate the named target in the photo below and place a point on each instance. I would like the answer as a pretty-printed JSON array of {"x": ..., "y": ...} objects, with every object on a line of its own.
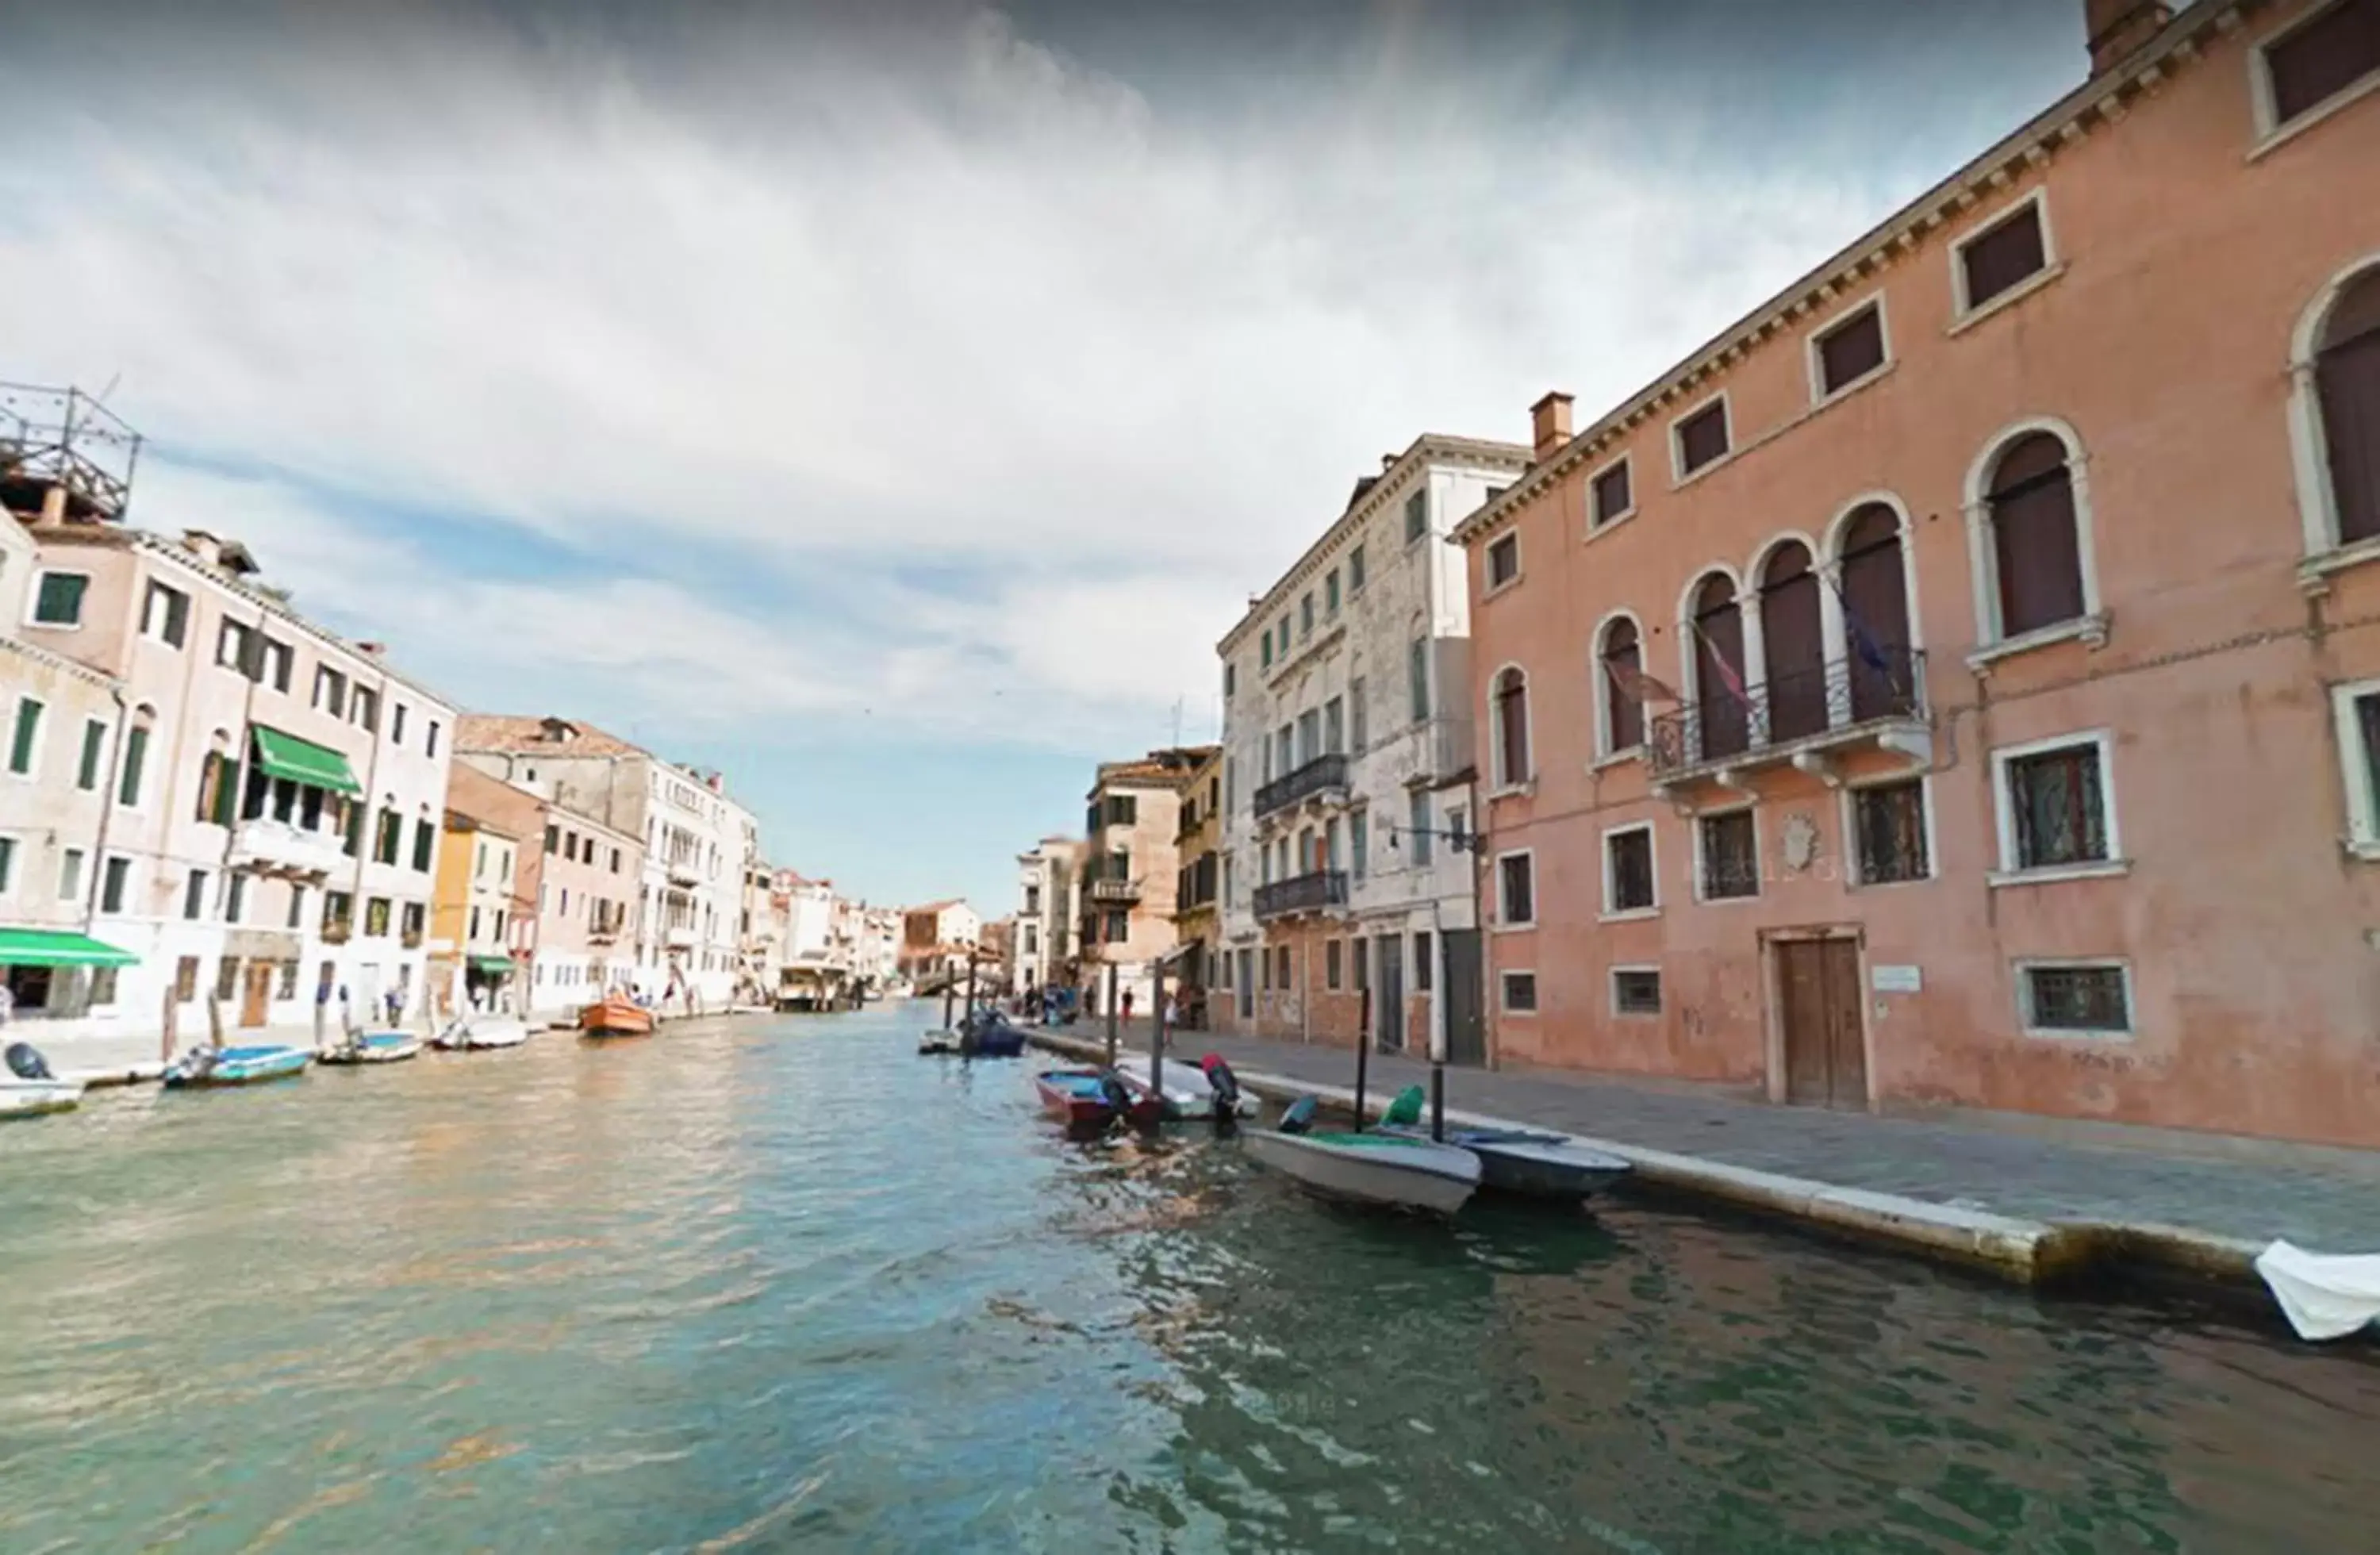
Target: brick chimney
[
  {"x": 2114, "y": 29},
  {"x": 1549, "y": 425},
  {"x": 373, "y": 650}
]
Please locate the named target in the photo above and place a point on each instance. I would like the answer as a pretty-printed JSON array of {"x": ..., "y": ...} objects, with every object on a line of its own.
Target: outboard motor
[
  {"x": 1116, "y": 1094},
  {"x": 1222, "y": 1083},
  {"x": 1299, "y": 1119},
  {"x": 25, "y": 1062}
]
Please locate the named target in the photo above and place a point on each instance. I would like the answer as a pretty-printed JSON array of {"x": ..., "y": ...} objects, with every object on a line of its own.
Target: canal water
[{"x": 782, "y": 1284}]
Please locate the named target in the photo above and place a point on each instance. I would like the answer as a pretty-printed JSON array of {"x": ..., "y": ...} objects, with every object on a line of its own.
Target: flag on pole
[
  {"x": 1863, "y": 643},
  {"x": 1727, "y": 675},
  {"x": 1636, "y": 684}
]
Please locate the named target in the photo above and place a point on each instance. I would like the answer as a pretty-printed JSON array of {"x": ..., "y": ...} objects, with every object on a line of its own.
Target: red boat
[{"x": 1095, "y": 1097}]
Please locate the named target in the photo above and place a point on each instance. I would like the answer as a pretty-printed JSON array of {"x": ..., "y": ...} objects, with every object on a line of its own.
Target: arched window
[
  {"x": 1622, "y": 691},
  {"x": 1876, "y": 612},
  {"x": 1792, "y": 642},
  {"x": 2036, "y": 553},
  {"x": 1511, "y": 715},
  {"x": 1718, "y": 669},
  {"x": 2347, "y": 386}
]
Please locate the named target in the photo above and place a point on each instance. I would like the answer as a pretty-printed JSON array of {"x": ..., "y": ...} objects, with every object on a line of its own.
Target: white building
[
  {"x": 1347, "y": 758},
  {"x": 1045, "y": 909},
  {"x": 700, "y": 843}
]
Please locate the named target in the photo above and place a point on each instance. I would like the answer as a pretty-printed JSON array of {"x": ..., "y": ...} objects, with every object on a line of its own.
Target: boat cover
[
  {"x": 1406, "y": 1107},
  {"x": 2323, "y": 1295}
]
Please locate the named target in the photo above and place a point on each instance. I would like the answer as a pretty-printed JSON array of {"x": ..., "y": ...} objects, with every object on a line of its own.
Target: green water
[{"x": 785, "y": 1285}]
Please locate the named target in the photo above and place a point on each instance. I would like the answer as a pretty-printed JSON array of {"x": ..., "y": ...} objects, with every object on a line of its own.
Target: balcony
[
  {"x": 1810, "y": 719},
  {"x": 1323, "y": 777},
  {"x": 1302, "y": 894},
  {"x": 680, "y": 939},
  {"x": 1115, "y": 894},
  {"x": 278, "y": 847},
  {"x": 604, "y": 935}
]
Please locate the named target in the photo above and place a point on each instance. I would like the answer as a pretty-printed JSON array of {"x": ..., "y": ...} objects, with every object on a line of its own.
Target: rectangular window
[
  {"x": 1503, "y": 560},
  {"x": 58, "y": 599},
  {"x": 1288, "y": 969},
  {"x": 114, "y": 881},
  {"x": 430, "y": 741},
  {"x": 1424, "y": 967},
  {"x": 69, "y": 874},
  {"x": 339, "y": 912},
  {"x": 136, "y": 752},
  {"x": 1330, "y": 593},
  {"x": 194, "y": 895},
  {"x": 1333, "y": 964},
  {"x": 1418, "y": 678},
  {"x": 296, "y": 905},
  {"x": 1889, "y": 830},
  {"x": 1635, "y": 991},
  {"x": 365, "y": 709},
  {"x": 7, "y": 864},
  {"x": 1520, "y": 993},
  {"x": 329, "y": 691},
  {"x": 22, "y": 743},
  {"x": 396, "y": 724},
  {"x": 552, "y": 838},
  {"x": 1731, "y": 855},
  {"x": 165, "y": 615},
  {"x": 411, "y": 919},
  {"x": 1516, "y": 892},
  {"x": 389, "y": 842},
  {"x": 1359, "y": 843},
  {"x": 2076, "y": 999},
  {"x": 424, "y": 840},
  {"x": 1416, "y": 516},
  {"x": 376, "y": 911},
  {"x": 1263, "y": 654},
  {"x": 2002, "y": 255},
  {"x": 1118, "y": 929},
  {"x": 226, "y": 980},
  {"x": 1628, "y": 884},
  {"x": 102, "y": 987},
  {"x": 1334, "y": 727},
  {"x": 1418, "y": 828},
  {"x": 1356, "y": 569},
  {"x": 276, "y": 665},
  {"x": 235, "y": 897},
  {"x": 1305, "y": 616},
  {"x": 1363, "y": 958},
  {"x": 1611, "y": 500},
  {"x": 2321, "y": 57},
  {"x": 1701, "y": 438},
  {"x": 1230, "y": 681},
  {"x": 1359, "y": 723},
  {"x": 233, "y": 646},
  {"x": 95, "y": 751},
  {"x": 186, "y": 980},
  {"x": 1851, "y": 350},
  {"x": 2054, "y": 806}
]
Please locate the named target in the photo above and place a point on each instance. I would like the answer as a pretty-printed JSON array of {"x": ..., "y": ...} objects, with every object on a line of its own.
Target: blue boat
[
  {"x": 236, "y": 1066},
  {"x": 990, "y": 1033}
]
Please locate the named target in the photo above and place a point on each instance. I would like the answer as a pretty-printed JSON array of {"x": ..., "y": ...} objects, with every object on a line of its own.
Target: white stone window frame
[
  {"x": 2271, "y": 133},
  {"x": 1841, "y": 319},
  {"x": 1490, "y": 586},
  {"x": 158, "y": 589},
  {"x": 2011, "y": 872},
  {"x": 33, "y": 600},
  {"x": 1504, "y": 976},
  {"x": 1505, "y": 922},
  {"x": 2025, "y": 967},
  {"x": 1856, "y": 870},
  {"x": 2362, "y": 836},
  {"x": 16, "y": 847},
  {"x": 1982, "y": 551},
  {"x": 1596, "y": 527},
  {"x": 1679, "y": 476},
  {"x": 2310, "y": 439},
  {"x": 1653, "y": 859},
  {"x": 1965, "y": 313},
  {"x": 1611, "y": 989},
  {"x": 11, "y": 709},
  {"x": 1606, "y": 753},
  {"x": 1701, "y": 881}
]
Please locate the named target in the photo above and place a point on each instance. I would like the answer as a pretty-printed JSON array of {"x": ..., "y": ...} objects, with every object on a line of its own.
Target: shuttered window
[
  {"x": 1503, "y": 561},
  {"x": 2324, "y": 57},
  {"x": 1628, "y": 869},
  {"x": 1511, "y": 727},
  {"x": 2034, "y": 544},
  {"x": 2346, "y": 375},
  {"x": 1622, "y": 661},
  {"x": 1851, "y": 350},
  {"x": 1612, "y": 497},
  {"x": 1702, "y": 437},
  {"x": 2002, "y": 255}
]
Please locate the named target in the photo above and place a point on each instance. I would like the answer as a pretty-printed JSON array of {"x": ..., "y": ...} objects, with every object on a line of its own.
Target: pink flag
[
  {"x": 1634, "y": 681},
  {"x": 1726, "y": 671}
]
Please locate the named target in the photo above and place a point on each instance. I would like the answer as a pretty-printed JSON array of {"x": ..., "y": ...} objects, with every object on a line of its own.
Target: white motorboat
[
  {"x": 29, "y": 1098},
  {"x": 1189, "y": 1092},
  {"x": 483, "y": 1031},
  {"x": 1382, "y": 1169},
  {"x": 372, "y": 1046}
]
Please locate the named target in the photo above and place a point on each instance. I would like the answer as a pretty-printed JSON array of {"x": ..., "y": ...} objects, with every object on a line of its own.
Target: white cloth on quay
[{"x": 2323, "y": 1295}]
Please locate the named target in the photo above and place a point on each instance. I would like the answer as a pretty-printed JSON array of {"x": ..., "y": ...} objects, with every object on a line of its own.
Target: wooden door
[
  {"x": 1389, "y": 995},
  {"x": 1467, "y": 1030},
  {"x": 256, "y": 993},
  {"x": 1818, "y": 994}
]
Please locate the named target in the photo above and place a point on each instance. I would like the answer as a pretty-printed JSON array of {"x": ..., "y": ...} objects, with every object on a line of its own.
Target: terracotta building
[
  {"x": 1956, "y": 681},
  {"x": 1131, "y": 864}
]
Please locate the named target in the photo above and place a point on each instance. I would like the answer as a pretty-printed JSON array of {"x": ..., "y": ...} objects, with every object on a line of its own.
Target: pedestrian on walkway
[{"x": 1127, "y": 1005}]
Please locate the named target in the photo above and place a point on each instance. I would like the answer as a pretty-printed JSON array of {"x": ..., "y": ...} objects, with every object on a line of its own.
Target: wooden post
[
  {"x": 1363, "y": 1053},
  {"x": 949, "y": 989},
  {"x": 970, "y": 1003},
  {"x": 1157, "y": 1028},
  {"x": 1111, "y": 1003},
  {"x": 165, "y": 1032}
]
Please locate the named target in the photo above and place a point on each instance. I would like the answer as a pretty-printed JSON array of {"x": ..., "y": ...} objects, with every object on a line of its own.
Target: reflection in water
[{"x": 785, "y": 1285}]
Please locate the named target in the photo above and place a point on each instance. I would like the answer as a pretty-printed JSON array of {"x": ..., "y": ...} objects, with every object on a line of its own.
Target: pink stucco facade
[{"x": 2181, "y": 924}]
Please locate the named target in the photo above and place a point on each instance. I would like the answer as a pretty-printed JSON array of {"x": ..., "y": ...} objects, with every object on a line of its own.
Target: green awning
[
  {"x": 495, "y": 966},
  {"x": 56, "y": 947},
  {"x": 286, "y": 756}
]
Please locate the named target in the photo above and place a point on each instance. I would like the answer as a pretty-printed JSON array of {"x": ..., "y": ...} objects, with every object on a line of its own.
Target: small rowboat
[
  {"x": 1379, "y": 1169},
  {"x": 1517, "y": 1160},
  {"x": 373, "y": 1046},
  {"x": 1093, "y": 1099},
  {"x": 236, "y": 1066},
  {"x": 483, "y": 1031},
  {"x": 615, "y": 1017},
  {"x": 31, "y": 1099}
]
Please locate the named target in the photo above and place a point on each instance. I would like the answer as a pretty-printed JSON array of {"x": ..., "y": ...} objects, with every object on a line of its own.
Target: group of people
[{"x": 1053, "y": 1005}]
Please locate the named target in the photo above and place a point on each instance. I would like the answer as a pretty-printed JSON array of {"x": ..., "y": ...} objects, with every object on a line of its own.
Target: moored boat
[
  {"x": 990, "y": 1033},
  {"x": 616, "y": 1016},
  {"x": 1095, "y": 1097},
  {"x": 1517, "y": 1160},
  {"x": 372, "y": 1046},
  {"x": 483, "y": 1031},
  {"x": 1191, "y": 1091},
  {"x": 1388, "y": 1170},
  {"x": 28, "y": 1089},
  {"x": 236, "y": 1066}
]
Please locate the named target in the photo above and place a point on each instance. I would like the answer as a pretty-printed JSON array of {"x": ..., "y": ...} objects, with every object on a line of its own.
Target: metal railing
[
  {"x": 1791, "y": 711},
  {"x": 1322, "y": 773},
  {"x": 1303, "y": 893},
  {"x": 1115, "y": 891},
  {"x": 64, "y": 437}
]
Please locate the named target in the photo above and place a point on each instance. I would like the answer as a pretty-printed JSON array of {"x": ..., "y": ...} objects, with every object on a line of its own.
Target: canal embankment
[{"x": 2026, "y": 1200}]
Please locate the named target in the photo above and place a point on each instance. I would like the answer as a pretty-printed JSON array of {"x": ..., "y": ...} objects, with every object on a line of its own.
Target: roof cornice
[{"x": 2100, "y": 100}]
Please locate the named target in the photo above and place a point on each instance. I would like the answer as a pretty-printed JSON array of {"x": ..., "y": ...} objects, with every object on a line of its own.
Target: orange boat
[{"x": 615, "y": 1017}]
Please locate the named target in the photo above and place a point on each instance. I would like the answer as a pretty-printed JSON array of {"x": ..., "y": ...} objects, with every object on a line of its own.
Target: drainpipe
[{"x": 106, "y": 807}]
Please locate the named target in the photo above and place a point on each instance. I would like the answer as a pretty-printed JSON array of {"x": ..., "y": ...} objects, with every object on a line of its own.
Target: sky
[{"x": 892, "y": 402}]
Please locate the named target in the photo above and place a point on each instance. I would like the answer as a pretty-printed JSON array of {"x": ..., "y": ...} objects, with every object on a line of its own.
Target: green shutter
[
  {"x": 60, "y": 602},
  {"x": 29, "y": 724},
  {"x": 136, "y": 749},
  {"x": 94, "y": 747},
  {"x": 226, "y": 807}
]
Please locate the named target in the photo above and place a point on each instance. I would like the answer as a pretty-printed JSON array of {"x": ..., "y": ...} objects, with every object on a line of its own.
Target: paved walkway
[{"x": 2030, "y": 1169}]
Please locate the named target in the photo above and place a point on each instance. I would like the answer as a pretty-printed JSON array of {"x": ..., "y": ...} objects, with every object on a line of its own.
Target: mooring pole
[
  {"x": 1363, "y": 1052},
  {"x": 1437, "y": 1029},
  {"x": 1157, "y": 1028},
  {"x": 1112, "y": 1014},
  {"x": 949, "y": 989}
]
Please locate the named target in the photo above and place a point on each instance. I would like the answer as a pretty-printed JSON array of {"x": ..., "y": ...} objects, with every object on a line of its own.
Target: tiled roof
[{"x": 507, "y": 731}]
